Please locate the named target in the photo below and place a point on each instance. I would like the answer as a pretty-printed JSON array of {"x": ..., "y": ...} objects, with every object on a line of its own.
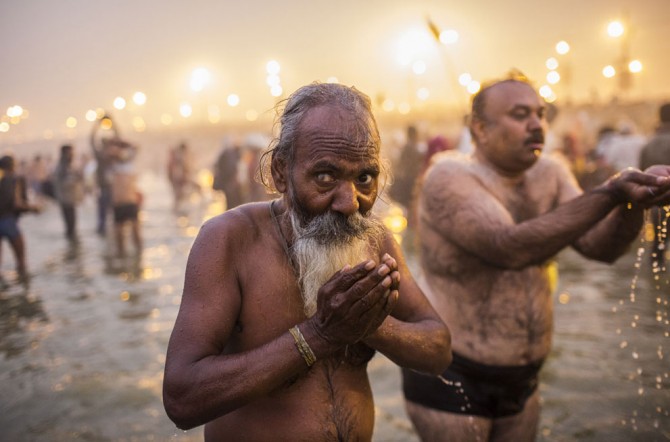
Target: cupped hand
[
  {"x": 648, "y": 188},
  {"x": 355, "y": 301}
]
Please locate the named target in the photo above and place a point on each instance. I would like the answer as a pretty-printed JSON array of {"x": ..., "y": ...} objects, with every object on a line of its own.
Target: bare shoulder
[
  {"x": 242, "y": 225},
  {"x": 449, "y": 164}
]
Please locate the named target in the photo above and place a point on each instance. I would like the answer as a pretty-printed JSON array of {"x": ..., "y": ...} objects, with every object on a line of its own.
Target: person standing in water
[
  {"x": 490, "y": 224},
  {"x": 286, "y": 301}
]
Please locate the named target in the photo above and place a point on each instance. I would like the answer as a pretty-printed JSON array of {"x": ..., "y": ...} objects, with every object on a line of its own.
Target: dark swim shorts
[
  {"x": 125, "y": 212},
  {"x": 471, "y": 388},
  {"x": 9, "y": 227}
]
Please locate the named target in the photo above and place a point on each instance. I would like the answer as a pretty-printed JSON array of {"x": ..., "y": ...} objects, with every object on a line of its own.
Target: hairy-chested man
[
  {"x": 285, "y": 301},
  {"x": 489, "y": 225}
]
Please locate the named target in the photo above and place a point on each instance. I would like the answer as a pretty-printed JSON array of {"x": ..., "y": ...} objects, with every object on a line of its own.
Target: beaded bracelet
[{"x": 303, "y": 347}]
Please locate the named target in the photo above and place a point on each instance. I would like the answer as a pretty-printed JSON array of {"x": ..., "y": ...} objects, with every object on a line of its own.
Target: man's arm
[
  {"x": 461, "y": 209},
  {"x": 611, "y": 237},
  {"x": 413, "y": 336}
]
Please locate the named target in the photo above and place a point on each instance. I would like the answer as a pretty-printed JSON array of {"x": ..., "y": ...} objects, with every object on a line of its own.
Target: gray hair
[{"x": 291, "y": 112}]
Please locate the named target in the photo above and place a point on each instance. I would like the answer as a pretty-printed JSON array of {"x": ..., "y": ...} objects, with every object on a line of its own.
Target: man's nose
[
  {"x": 345, "y": 200},
  {"x": 535, "y": 122}
]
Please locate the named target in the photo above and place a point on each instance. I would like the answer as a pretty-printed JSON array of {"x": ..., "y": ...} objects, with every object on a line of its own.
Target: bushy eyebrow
[{"x": 324, "y": 164}]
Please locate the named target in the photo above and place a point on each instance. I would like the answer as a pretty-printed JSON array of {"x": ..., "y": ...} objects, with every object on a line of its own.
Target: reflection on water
[
  {"x": 82, "y": 348},
  {"x": 608, "y": 376}
]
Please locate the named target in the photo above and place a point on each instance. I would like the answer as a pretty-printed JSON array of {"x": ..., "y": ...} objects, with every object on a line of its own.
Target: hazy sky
[{"x": 62, "y": 58}]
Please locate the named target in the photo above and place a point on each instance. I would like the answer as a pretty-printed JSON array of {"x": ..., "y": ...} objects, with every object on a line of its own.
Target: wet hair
[{"x": 292, "y": 111}]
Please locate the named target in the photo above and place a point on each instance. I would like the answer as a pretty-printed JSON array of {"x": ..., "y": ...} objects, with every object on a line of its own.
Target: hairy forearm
[
  {"x": 538, "y": 239},
  {"x": 612, "y": 237},
  {"x": 423, "y": 346}
]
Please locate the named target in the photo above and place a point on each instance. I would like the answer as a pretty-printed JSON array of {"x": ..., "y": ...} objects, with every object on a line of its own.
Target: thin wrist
[
  {"x": 320, "y": 343},
  {"x": 611, "y": 189}
]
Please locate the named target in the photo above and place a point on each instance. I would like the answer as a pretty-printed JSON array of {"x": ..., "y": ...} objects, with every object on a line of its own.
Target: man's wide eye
[
  {"x": 365, "y": 179},
  {"x": 324, "y": 178}
]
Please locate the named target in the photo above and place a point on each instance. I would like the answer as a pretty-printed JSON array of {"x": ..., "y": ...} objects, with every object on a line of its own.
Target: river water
[{"x": 82, "y": 347}]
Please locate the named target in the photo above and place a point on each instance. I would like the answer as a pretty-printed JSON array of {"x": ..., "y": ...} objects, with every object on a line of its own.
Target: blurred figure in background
[
  {"x": 621, "y": 149},
  {"x": 254, "y": 190},
  {"x": 437, "y": 144},
  {"x": 69, "y": 189},
  {"x": 407, "y": 170},
  {"x": 180, "y": 174},
  {"x": 657, "y": 151},
  {"x": 125, "y": 194},
  {"x": 37, "y": 175},
  {"x": 226, "y": 177},
  {"x": 104, "y": 150},
  {"x": 13, "y": 202}
]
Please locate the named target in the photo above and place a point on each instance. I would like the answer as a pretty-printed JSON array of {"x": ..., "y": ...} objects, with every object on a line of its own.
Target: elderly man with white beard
[{"x": 285, "y": 302}]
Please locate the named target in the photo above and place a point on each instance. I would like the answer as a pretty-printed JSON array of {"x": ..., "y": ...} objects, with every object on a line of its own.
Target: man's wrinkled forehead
[{"x": 335, "y": 127}]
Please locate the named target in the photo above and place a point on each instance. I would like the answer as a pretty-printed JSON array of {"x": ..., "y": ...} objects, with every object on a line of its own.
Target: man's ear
[
  {"x": 279, "y": 175},
  {"x": 478, "y": 131}
]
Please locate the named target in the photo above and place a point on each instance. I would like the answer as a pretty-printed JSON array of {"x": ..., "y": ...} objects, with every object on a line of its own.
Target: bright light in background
[
  {"x": 635, "y": 66},
  {"x": 545, "y": 91},
  {"x": 388, "y": 105},
  {"x": 423, "y": 93},
  {"x": 473, "y": 87},
  {"x": 332, "y": 80},
  {"x": 200, "y": 77},
  {"x": 106, "y": 123},
  {"x": 449, "y": 36},
  {"x": 419, "y": 67},
  {"x": 404, "y": 108},
  {"x": 4, "y": 127},
  {"x": 553, "y": 77},
  {"x": 272, "y": 80},
  {"x": 233, "y": 100},
  {"x": 166, "y": 119},
  {"x": 413, "y": 44},
  {"x": 14, "y": 111},
  {"x": 562, "y": 47},
  {"x": 464, "y": 79},
  {"x": 251, "y": 115},
  {"x": 91, "y": 115},
  {"x": 185, "y": 110},
  {"x": 119, "y": 103},
  {"x": 276, "y": 90},
  {"x": 139, "y": 98},
  {"x": 272, "y": 67},
  {"x": 551, "y": 64},
  {"x": 615, "y": 29},
  {"x": 139, "y": 125},
  {"x": 71, "y": 122},
  {"x": 609, "y": 71}
]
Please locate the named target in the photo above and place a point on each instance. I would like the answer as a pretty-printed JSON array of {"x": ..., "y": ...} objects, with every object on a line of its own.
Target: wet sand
[{"x": 82, "y": 347}]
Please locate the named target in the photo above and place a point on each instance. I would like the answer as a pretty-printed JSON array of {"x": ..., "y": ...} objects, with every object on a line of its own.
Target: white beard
[{"x": 318, "y": 261}]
